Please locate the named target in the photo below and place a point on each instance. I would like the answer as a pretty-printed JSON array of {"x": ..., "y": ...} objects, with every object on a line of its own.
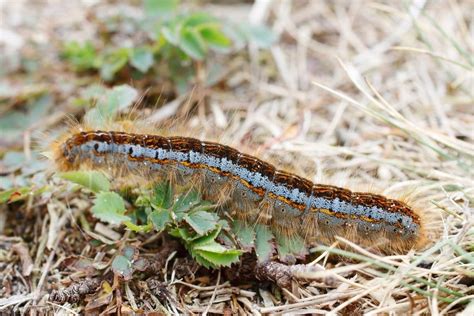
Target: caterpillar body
[{"x": 253, "y": 190}]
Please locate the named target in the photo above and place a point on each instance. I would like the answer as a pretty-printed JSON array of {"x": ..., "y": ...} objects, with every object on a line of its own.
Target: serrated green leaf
[
  {"x": 215, "y": 254},
  {"x": 220, "y": 259},
  {"x": 212, "y": 246},
  {"x": 160, "y": 218},
  {"x": 193, "y": 239},
  {"x": 204, "y": 240},
  {"x": 109, "y": 207},
  {"x": 185, "y": 203},
  {"x": 93, "y": 180},
  {"x": 192, "y": 43},
  {"x": 263, "y": 242},
  {"x": 202, "y": 261},
  {"x": 162, "y": 195},
  {"x": 142, "y": 59},
  {"x": 244, "y": 233},
  {"x": 201, "y": 221}
]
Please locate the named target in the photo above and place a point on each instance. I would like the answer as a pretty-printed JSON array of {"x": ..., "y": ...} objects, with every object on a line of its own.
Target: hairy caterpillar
[{"x": 251, "y": 189}]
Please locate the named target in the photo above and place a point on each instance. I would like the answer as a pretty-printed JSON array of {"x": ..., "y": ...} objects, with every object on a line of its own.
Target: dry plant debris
[{"x": 378, "y": 94}]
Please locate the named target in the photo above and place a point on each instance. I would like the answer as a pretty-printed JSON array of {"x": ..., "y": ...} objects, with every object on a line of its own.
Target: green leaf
[
  {"x": 142, "y": 59},
  {"x": 263, "y": 243},
  {"x": 217, "y": 254},
  {"x": 197, "y": 19},
  {"x": 82, "y": 57},
  {"x": 203, "y": 206},
  {"x": 214, "y": 37},
  {"x": 109, "y": 207},
  {"x": 120, "y": 98},
  {"x": 201, "y": 221},
  {"x": 245, "y": 234},
  {"x": 182, "y": 80},
  {"x": 160, "y": 218},
  {"x": 14, "y": 122},
  {"x": 93, "y": 180},
  {"x": 205, "y": 250},
  {"x": 181, "y": 233},
  {"x": 171, "y": 31},
  {"x": 113, "y": 63},
  {"x": 139, "y": 228},
  {"x": 123, "y": 267},
  {"x": 129, "y": 252},
  {"x": 224, "y": 223},
  {"x": 161, "y": 8},
  {"x": 206, "y": 239},
  {"x": 184, "y": 203},
  {"x": 261, "y": 35},
  {"x": 235, "y": 33},
  {"x": 162, "y": 195},
  {"x": 212, "y": 246},
  {"x": 202, "y": 261},
  {"x": 192, "y": 238},
  {"x": 13, "y": 195},
  {"x": 192, "y": 44},
  {"x": 221, "y": 259},
  {"x": 115, "y": 100},
  {"x": 94, "y": 91}
]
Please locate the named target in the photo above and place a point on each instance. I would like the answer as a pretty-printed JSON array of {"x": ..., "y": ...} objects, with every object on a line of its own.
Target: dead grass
[{"x": 360, "y": 93}]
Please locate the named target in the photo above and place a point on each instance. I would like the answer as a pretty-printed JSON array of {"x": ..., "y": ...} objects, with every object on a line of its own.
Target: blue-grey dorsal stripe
[{"x": 256, "y": 179}]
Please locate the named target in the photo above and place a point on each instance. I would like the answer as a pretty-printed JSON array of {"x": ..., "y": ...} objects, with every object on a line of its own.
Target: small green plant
[
  {"x": 174, "y": 42},
  {"x": 182, "y": 214},
  {"x": 127, "y": 262},
  {"x": 82, "y": 56}
]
